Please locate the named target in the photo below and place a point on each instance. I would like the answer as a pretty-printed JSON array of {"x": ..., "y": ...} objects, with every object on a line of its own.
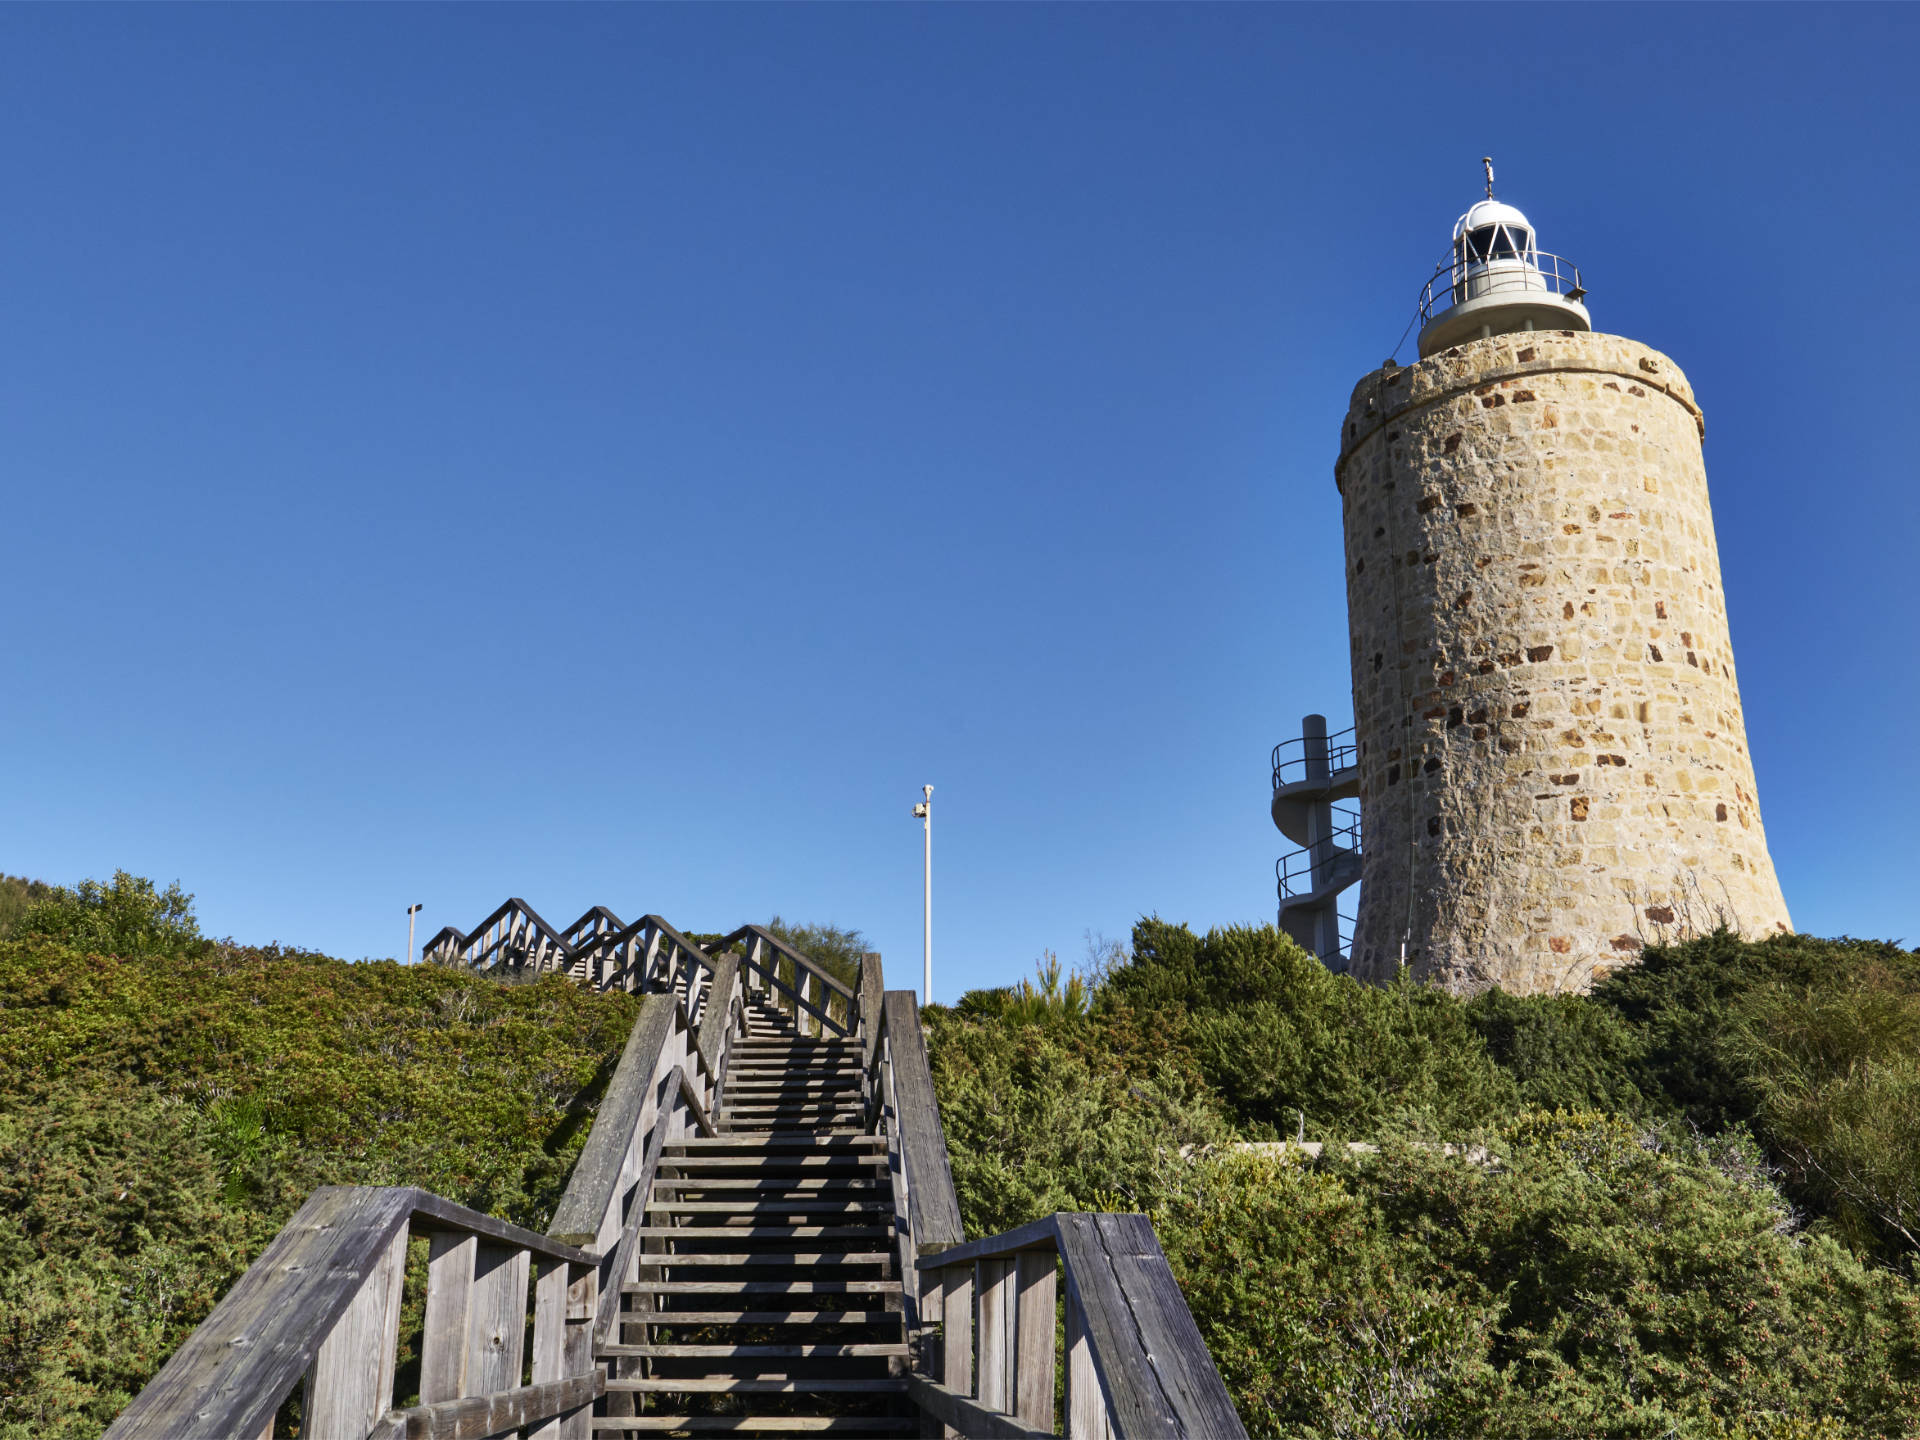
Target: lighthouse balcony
[{"x": 1499, "y": 295}]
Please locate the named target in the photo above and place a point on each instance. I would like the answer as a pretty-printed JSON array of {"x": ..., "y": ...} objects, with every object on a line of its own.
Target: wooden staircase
[
  {"x": 769, "y": 1300},
  {"x": 760, "y": 1237}
]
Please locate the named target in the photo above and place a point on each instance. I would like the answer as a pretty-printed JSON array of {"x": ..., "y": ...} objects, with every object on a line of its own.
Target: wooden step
[
  {"x": 845, "y": 1163},
  {"x": 764, "y": 1317},
  {"x": 759, "y": 1287},
  {"x": 770, "y": 1207},
  {"x": 756, "y": 1352},
  {"x": 759, "y": 1385},
  {"x": 748, "y": 1259},
  {"x": 894, "y": 1425},
  {"x": 705, "y": 1143},
  {"x": 806, "y": 1184},
  {"x": 763, "y": 1232}
]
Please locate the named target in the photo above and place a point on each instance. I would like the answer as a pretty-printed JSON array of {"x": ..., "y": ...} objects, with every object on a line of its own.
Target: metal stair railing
[{"x": 1303, "y": 871}]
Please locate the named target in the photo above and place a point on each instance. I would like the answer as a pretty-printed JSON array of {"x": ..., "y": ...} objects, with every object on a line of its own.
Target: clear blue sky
[{"x": 618, "y": 454}]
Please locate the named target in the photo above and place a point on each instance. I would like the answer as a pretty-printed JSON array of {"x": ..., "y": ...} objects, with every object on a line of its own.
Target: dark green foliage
[
  {"x": 162, "y": 1114},
  {"x": 1596, "y": 1278},
  {"x": 1563, "y": 1051},
  {"x": 16, "y": 894},
  {"x": 1040, "y": 1117},
  {"x": 1279, "y": 1038},
  {"x": 833, "y": 948},
  {"x": 127, "y": 917},
  {"x": 1682, "y": 1001},
  {"x": 1834, "y": 1069},
  {"x": 1605, "y": 1251}
]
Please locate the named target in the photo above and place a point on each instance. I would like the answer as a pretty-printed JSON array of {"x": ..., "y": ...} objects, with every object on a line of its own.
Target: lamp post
[
  {"x": 412, "y": 910},
  {"x": 924, "y": 813}
]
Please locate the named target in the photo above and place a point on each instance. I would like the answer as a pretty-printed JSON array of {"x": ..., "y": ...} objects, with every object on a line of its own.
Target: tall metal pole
[
  {"x": 926, "y": 909},
  {"x": 412, "y": 910}
]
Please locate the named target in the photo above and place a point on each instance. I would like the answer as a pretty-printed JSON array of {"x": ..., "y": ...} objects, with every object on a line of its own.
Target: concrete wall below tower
[{"x": 1553, "y": 759}]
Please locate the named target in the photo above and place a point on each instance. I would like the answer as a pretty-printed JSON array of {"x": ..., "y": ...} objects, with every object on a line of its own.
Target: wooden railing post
[
  {"x": 994, "y": 1327},
  {"x": 956, "y": 1340},
  {"x": 443, "y": 1338},
  {"x": 1035, "y": 1286},
  {"x": 1086, "y": 1406},
  {"x": 351, "y": 1383}
]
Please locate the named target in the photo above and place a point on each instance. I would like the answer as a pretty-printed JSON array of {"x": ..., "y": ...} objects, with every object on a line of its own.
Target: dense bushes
[
  {"x": 163, "y": 1111},
  {"x": 1685, "y": 1207}
]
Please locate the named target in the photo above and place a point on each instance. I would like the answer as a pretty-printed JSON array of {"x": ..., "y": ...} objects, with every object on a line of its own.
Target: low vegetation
[
  {"x": 1682, "y": 1206},
  {"x": 167, "y": 1102}
]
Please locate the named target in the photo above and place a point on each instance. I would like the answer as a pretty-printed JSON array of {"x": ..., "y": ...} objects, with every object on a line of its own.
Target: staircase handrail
[
  {"x": 324, "y": 1302},
  {"x": 451, "y": 945},
  {"x": 903, "y": 1108},
  {"x": 1136, "y": 1365},
  {"x": 749, "y": 941}
]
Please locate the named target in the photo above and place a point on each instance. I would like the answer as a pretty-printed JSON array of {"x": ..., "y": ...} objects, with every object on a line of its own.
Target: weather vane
[{"x": 1487, "y": 160}]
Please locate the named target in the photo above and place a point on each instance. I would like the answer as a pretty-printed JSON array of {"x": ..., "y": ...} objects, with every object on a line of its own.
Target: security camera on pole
[{"x": 924, "y": 813}]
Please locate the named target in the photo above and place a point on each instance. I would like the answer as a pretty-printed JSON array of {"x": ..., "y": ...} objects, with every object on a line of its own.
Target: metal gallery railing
[{"x": 1454, "y": 283}]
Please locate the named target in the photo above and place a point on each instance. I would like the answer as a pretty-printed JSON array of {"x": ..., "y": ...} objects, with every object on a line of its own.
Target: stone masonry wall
[{"x": 1554, "y": 766}]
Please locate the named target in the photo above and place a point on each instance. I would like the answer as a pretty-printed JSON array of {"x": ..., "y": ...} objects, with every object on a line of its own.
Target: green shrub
[
  {"x": 127, "y": 917},
  {"x": 162, "y": 1114},
  {"x": 1835, "y": 1070},
  {"x": 1591, "y": 1277}
]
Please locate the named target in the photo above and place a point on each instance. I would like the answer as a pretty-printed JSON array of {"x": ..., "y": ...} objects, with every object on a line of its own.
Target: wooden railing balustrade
[
  {"x": 324, "y": 1304},
  {"x": 1135, "y": 1363}
]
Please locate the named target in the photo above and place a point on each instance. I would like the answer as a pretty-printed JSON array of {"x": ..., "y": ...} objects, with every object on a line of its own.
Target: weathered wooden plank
[
  {"x": 549, "y": 1336},
  {"x": 596, "y": 1175},
  {"x": 1135, "y": 1404},
  {"x": 230, "y": 1375},
  {"x": 497, "y": 1325},
  {"x": 583, "y": 1308},
  {"x": 1086, "y": 1404},
  {"x": 872, "y": 997},
  {"x": 1035, "y": 1273},
  {"x": 1182, "y": 1367},
  {"x": 443, "y": 1338},
  {"x": 1034, "y": 1235},
  {"x": 480, "y": 1416},
  {"x": 433, "y": 1214},
  {"x": 719, "y": 1012},
  {"x": 779, "y": 946},
  {"x": 969, "y": 1417},
  {"x": 993, "y": 1331},
  {"x": 935, "y": 1217},
  {"x": 956, "y": 1340},
  {"x": 766, "y": 973},
  {"x": 691, "y": 1095},
  {"x": 351, "y": 1383},
  {"x": 623, "y": 1255}
]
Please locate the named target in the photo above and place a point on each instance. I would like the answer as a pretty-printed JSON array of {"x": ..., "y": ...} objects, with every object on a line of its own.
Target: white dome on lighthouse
[{"x": 1496, "y": 280}]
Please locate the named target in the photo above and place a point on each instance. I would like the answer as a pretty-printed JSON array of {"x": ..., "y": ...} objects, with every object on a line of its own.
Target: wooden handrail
[
  {"x": 1137, "y": 1368},
  {"x": 798, "y": 957},
  {"x": 933, "y": 1207},
  {"x": 324, "y": 1302}
]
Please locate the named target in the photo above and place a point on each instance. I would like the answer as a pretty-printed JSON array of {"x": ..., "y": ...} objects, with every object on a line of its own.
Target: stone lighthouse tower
[{"x": 1549, "y": 752}]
